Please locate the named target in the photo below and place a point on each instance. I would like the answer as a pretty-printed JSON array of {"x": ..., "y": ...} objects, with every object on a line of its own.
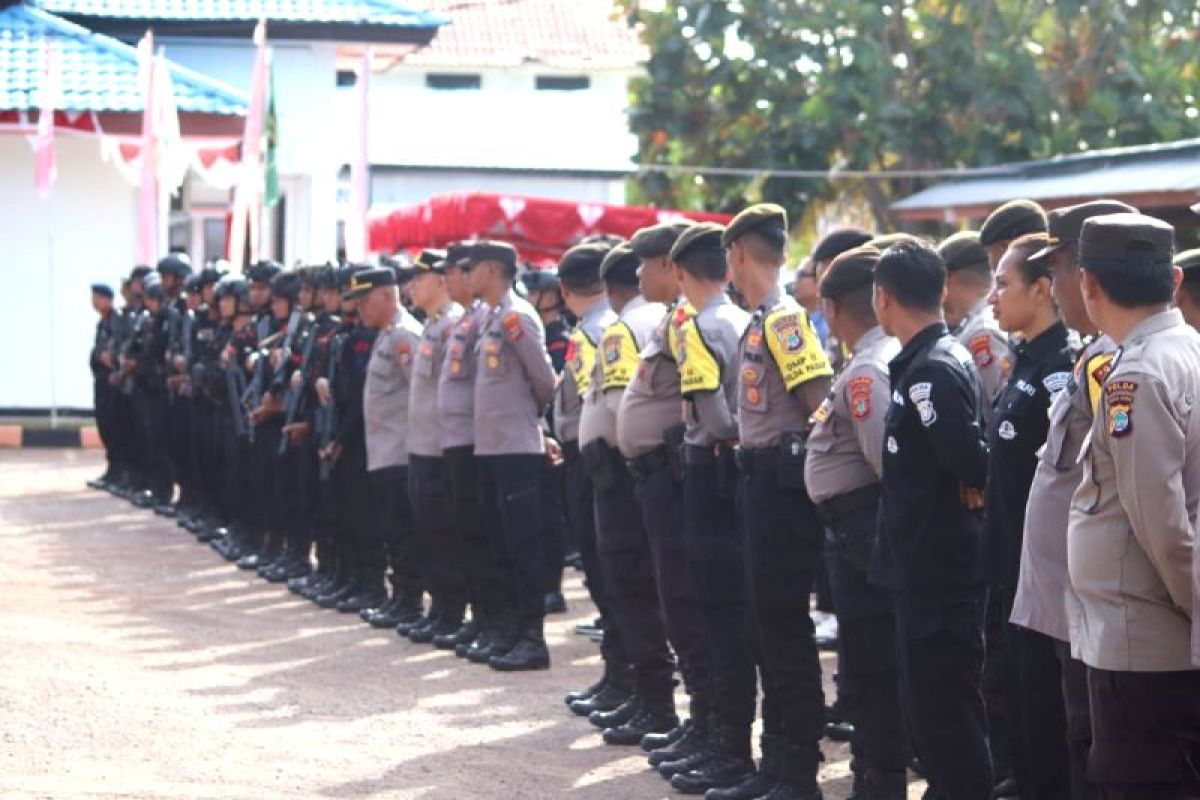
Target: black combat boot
[
  {"x": 797, "y": 773},
  {"x": 465, "y": 634},
  {"x": 615, "y": 693},
  {"x": 882, "y": 785},
  {"x": 619, "y": 715},
  {"x": 529, "y": 652},
  {"x": 729, "y": 765},
  {"x": 693, "y": 739},
  {"x": 656, "y": 715},
  {"x": 760, "y": 783}
]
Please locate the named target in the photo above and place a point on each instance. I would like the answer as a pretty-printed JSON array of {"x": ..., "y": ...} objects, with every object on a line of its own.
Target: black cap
[
  {"x": 836, "y": 242},
  {"x": 703, "y": 236},
  {"x": 365, "y": 280},
  {"x": 620, "y": 266},
  {"x": 263, "y": 271},
  {"x": 286, "y": 285},
  {"x": 346, "y": 273},
  {"x": 209, "y": 275},
  {"x": 152, "y": 286},
  {"x": 539, "y": 280},
  {"x": 175, "y": 264},
  {"x": 325, "y": 277},
  {"x": 139, "y": 272},
  {"x": 102, "y": 289},
  {"x": 580, "y": 266},
  {"x": 657, "y": 240},
  {"x": 1189, "y": 262},
  {"x": 433, "y": 261},
  {"x": 962, "y": 250},
  {"x": 1012, "y": 220},
  {"x": 1118, "y": 240},
  {"x": 1064, "y": 224},
  {"x": 487, "y": 250},
  {"x": 766, "y": 219},
  {"x": 850, "y": 271},
  {"x": 457, "y": 253}
]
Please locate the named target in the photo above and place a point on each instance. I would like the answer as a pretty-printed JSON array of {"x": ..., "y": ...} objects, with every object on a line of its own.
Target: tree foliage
[{"x": 914, "y": 84}]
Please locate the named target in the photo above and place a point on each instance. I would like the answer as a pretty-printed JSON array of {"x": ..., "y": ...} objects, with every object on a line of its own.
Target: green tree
[{"x": 911, "y": 85}]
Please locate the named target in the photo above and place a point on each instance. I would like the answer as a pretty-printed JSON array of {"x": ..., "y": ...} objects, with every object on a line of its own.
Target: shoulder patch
[
  {"x": 512, "y": 326},
  {"x": 699, "y": 370},
  {"x": 1097, "y": 369},
  {"x": 860, "y": 397},
  {"x": 1118, "y": 396},
  {"x": 920, "y": 393},
  {"x": 786, "y": 329},
  {"x": 981, "y": 350},
  {"x": 793, "y": 344},
  {"x": 1055, "y": 382}
]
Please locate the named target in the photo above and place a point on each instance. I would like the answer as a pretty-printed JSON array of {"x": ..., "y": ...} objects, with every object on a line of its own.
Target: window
[
  {"x": 447, "y": 80},
  {"x": 563, "y": 83},
  {"x": 346, "y": 78}
]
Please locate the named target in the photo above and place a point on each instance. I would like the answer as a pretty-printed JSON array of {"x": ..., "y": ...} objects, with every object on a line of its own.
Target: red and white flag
[{"x": 45, "y": 170}]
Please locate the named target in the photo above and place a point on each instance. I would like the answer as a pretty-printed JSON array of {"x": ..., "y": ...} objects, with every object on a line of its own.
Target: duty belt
[
  {"x": 643, "y": 466},
  {"x": 843, "y": 505},
  {"x": 695, "y": 455}
]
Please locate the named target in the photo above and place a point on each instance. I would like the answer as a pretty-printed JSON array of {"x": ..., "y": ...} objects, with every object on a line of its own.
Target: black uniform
[
  {"x": 148, "y": 348},
  {"x": 104, "y": 393},
  {"x": 928, "y": 554}
]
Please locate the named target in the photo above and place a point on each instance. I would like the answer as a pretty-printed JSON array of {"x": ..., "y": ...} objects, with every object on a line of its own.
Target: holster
[
  {"x": 789, "y": 464},
  {"x": 603, "y": 464},
  {"x": 673, "y": 441}
]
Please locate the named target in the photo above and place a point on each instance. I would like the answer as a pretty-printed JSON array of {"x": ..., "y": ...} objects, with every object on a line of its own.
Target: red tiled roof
[{"x": 568, "y": 34}]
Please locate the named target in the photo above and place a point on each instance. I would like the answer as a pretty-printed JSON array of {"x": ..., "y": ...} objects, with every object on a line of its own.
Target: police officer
[
  {"x": 783, "y": 378},
  {"x": 102, "y": 364},
  {"x": 1132, "y": 524},
  {"x": 929, "y": 546},
  {"x": 1024, "y": 304},
  {"x": 176, "y": 270},
  {"x": 514, "y": 386},
  {"x": 124, "y": 432},
  {"x": 842, "y": 474},
  {"x": 1042, "y": 585},
  {"x": 147, "y": 352},
  {"x": 1187, "y": 294},
  {"x": 203, "y": 445},
  {"x": 708, "y": 370},
  {"x": 1008, "y": 223}
]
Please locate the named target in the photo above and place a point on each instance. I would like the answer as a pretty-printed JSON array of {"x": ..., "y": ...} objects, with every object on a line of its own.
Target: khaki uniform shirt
[
  {"x": 576, "y": 380},
  {"x": 613, "y": 368},
  {"x": 845, "y": 449},
  {"x": 708, "y": 370},
  {"x": 1133, "y": 517},
  {"x": 651, "y": 402},
  {"x": 456, "y": 382},
  {"x": 980, "y": 333},
  {"x": 1043, "y": 585},
  {"x": 514, "y": 381},
  {"x": 424, "y": 420},
  {"x": 386, "y": 393},
  {"x": 784, "y": 372}
]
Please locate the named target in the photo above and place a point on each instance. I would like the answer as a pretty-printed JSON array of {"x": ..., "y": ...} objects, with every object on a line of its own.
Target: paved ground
[{"x": 136, "y": 663}]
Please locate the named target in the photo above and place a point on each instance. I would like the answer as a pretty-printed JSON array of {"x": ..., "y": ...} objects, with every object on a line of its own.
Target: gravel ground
[{"x": 136, "y": 663}]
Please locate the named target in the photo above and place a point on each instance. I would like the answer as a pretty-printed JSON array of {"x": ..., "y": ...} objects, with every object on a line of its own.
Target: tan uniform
[
  {"x": 845, "y": 449},
  {"x": 651, "y": 402},
  {"x": 386, "y": 393},
  {"x": 980, "y": 333},
  {"x": 708, "y": 370},
  {"x": 1133, "y": 517},
  {"x": 613, "y": 368},
  {"x": 456, "y": 383},
  {"x": 424, "y": 421},
  {"x": 1041, "y": 598},
  {"x": 576, "y": 380},
  {"x": 514, "y": 381}
]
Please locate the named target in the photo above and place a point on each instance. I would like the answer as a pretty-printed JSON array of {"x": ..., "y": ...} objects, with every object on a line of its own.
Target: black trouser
[
  {"x": 486, "y": 585},
  {"x": 1078, "y": 719},
  {"x": 361, "y": 551},
  {"x": 329, "y": 519},
  {"x": 179, "y": 431},
  {"x": 433, "y": 516},
  {"x": 624, "y": 549},
  {"x": 783, "y": 544},
  {"x": 1146, "y": 734},
  {"x": 510, "y": 488},
  {"x": 104, "y": 402},
  {"x": 156, "y": 466},
  {"x": 228, "y": 467},
  {"x": 714, "y": 553},
  {"x": 128, "y": 436},
  {"x": 1036, "y": 716},
  {"x": 868, "y": 681},
  {"x": 202, "y": 449},
  {"x": 268, "y": 484},
  {"x": 996, "y": 683},
  {"x": 300, "y": 497},
  {"x": 554, "y": 526},
  {"x": 581, "y": 515},
  {"x": 396, "y": 543},
  {"x": 940, "y": 648}
]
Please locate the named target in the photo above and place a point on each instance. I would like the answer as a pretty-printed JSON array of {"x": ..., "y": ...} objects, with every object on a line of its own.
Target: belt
[
  {"x": 843, "y": 505},
  {"x": 696, "y": 455},
  {"x": 762, "y": 457},
  {"x": 643, "y": 466}
]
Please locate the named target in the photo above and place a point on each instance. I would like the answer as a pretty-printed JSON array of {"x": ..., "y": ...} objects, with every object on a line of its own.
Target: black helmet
[
  {"x": 233, "y": 286},
  {"x": 209, "y": 276},
  {"x": 152, "y": 286},
  {"x": 175, "y": 264},
  {"x": 540, "y": 280},
  {"x": 325, "y": 277},
  {"x": 191, "y": 284},
  {"x": 139, "y": 272},
  {"x": 286, "y": 285},
  {"x": 263, "y": 271}
]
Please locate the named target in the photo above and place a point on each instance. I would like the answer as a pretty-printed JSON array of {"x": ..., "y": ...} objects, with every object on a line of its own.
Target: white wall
[
  {"x": 405, "y": 187},
  {"x": 53, "y": 250}
]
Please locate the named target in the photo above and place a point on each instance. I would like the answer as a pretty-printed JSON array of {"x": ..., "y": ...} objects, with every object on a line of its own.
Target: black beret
[
  {"x": 363, "y": 281},
  {"x": 1117, "y": 240},
  {"x": 139, "y": 272},
  {"x": 175, "y": 264},
  {"x": 286, "y": 285},
  {"x": 486, "y": 250},
  {"x": 657, "y": 240},
  {"x": 962, "y": 250},
  {"x": 1064, "y": 224},
  {"x": 621, "y": 265},
  {"x": 610, "y": 239},
  {"x": 703, "y": 236},
  {"x": 580, "y": 266},
  {"x": 102, "y": 289},
  {"x": 834, "y": 243},
  {"x": 1189, "y": 262},
  {"x": 1014, "y": 218},
  {"x": 766, "y": 219},
  {"x": 263, "y": 271},
  {"x": 886, "y": 240},
  {"x": 850, "y": 271}
]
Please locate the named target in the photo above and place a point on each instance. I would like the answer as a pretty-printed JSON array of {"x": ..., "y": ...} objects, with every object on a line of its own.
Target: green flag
[{"x": 271, "y": 181}]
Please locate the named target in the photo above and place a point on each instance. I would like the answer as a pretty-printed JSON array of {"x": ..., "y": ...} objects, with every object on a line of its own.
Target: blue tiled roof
[
  {"x": 98, "y": 73},
  {"x": 343, "y": 12}
]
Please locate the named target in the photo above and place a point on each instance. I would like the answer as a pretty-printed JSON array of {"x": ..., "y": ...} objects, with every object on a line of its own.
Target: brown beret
[
  {"x": 580, "y": 266},
  {"x": 962, "y": 250},
  {"x": 621, "y": 265},
  {"x": 703, "y": 236},
  {"x": 836, "y": 242},
  {"x": 1011, "y": 220},
  {"x": 850, "y": 271},
  {"x": 766, "y": 219},
  {"x": 885, "y": 241},
  {"x": 657, "y": 240}
]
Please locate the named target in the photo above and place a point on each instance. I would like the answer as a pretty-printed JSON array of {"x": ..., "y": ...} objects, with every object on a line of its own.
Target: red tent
[{"x": 540, "y": 228}]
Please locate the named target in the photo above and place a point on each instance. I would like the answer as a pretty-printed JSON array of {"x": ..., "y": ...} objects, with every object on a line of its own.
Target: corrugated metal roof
[
  {"x": 98, "y": 73},
  {"x": 342, "y": 12},
  {"x": 1165, "y": 168}
]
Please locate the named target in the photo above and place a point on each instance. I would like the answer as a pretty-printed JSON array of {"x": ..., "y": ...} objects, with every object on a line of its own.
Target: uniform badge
[
  {"x": 750, "y": 376},
  {"x": 753, "y": 395},
  {"x": 512, "y": 326},
  {"x": 493, "y": 362},
  {"x": 860, "y": 397},
  {"x": 1055, "y": 382},
  {"x": 981, "y": 350},
  {"x": 455, "y": 366},
  {"x": 754, "y": 340},
  {"x": 787, "y": 329},
  {"x": 1007, "y": 431},
  {"x": 612, "y": 349},
  {"x": 404, "y": 353},
  {"x": 920, "y": 394},
  {"x": 1119, "y": 398},
  {"x": 823, "y": 411},
  {"x": 1098, "y": 368},
  {"x": 426, "y": 350}
]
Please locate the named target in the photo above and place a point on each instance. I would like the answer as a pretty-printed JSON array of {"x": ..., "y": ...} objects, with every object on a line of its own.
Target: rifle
[
  {"x": 251, "y": 397},
  {"x": 326, "y": 417},
  {"x": 294, "y": 398},
  {"x": 235, "y": 387}
]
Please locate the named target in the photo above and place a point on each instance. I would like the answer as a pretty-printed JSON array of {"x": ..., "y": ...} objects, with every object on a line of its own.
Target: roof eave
[{"x": 132, "y": 28}]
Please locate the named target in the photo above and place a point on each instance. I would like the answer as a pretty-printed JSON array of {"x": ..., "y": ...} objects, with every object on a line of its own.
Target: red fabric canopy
[{"x": 540, "y": 228}]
